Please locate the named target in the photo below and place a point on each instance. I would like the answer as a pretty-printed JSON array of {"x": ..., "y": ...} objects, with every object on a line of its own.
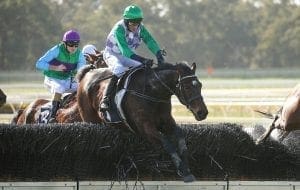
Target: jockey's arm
[
  {"x": 149, "y": 40},
  {"x": 122, "y": 44},
  {"x": 81, "y": 61},
  {"x": 43, "y": 62}
]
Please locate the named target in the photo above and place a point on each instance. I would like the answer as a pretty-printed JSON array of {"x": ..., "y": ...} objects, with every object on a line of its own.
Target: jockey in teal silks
[
  {"x": 119, "y": 54},
  {"x": 59, "y": 65}
]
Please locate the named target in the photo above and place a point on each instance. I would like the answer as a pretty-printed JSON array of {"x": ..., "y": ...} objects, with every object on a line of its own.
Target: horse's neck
[{"x": 166, "y": 80}]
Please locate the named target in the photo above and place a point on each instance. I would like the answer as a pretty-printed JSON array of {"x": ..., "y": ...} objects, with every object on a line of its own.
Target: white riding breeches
[
  {"x": 119, "y": 64},
  {"x": 60, "y": 86}
]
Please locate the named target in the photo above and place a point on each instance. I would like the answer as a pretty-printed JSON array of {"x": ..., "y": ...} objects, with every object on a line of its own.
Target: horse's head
[
  {"x": 188, "y": 90},
  {"x": 96, "y": 59}
]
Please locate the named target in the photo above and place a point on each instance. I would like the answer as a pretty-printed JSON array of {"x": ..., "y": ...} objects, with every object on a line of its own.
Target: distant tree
[
  {"x": 279, "y": 34},
  {"x": 227, "y": 33},
  {"x": 27, "y": 28}
]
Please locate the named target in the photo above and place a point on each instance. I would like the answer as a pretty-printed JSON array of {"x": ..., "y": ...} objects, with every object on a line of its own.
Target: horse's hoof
[{"x": 189, "y": 178}]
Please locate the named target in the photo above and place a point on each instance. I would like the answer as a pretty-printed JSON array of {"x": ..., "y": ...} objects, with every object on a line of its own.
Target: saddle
[{"x": 115, "y": 114}]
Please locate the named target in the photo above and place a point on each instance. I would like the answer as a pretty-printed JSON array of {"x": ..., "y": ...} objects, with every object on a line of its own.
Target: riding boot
[
  {"x": 108, "y": 93},
  {"x": 55, "y": 106}
]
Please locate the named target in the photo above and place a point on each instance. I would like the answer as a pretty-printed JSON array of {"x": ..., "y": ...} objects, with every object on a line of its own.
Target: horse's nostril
[{"x": 202, "y": 115}]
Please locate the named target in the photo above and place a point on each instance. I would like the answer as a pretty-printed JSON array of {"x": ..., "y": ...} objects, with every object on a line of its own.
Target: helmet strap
[
  {"x": 65, "y": 45},
  {"x": 126, "y": 21}
]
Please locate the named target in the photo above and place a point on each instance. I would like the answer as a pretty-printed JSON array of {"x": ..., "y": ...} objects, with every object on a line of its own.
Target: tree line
[{"x": 221, "y": 34}]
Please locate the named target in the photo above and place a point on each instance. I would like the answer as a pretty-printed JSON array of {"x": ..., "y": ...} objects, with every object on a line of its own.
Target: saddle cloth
[
  {"x": 115, "y": 114},
  {"x": 46, "y": 109},
  {"x": 45, "y": 113}
]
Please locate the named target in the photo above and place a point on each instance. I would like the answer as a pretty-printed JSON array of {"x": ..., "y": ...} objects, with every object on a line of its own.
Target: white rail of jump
[{"x": 153, "y": 185}]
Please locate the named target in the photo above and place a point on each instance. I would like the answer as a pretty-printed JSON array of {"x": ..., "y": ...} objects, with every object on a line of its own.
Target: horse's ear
[{"x": 193, "y": 67}]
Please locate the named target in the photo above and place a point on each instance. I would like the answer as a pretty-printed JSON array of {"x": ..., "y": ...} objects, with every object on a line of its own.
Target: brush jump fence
[{"x": 96, "y": 157}]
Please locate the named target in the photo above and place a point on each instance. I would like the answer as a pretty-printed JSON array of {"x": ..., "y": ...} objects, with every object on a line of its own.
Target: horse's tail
[
  {"x": 81, "y": 73},
  {"x": 266, "y": 114},
  {"x": 16, "y": 117}
]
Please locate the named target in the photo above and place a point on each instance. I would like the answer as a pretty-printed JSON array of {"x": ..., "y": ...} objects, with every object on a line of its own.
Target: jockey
[
  {"x": 59, "y": 65},
  {"x": 119, "y": 53},
  {"x": 89, "y": 49}
]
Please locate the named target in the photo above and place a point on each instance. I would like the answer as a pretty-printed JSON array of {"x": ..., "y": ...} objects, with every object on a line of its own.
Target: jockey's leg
[
  {"x": 108, "y": 93},
  {"x": 55, "y": 106},
  {"x": 119, "y": 65}
]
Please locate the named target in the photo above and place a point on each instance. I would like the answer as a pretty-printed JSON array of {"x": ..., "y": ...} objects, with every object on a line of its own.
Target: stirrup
[
  {"x": 52, "y": 120},
  {"x": 104, "y": 106}
]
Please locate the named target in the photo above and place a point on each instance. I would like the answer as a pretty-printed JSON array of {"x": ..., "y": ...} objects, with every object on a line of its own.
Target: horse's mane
[
  {"x": 81, "y": 73},
  {"x": 172, "y": 66}
]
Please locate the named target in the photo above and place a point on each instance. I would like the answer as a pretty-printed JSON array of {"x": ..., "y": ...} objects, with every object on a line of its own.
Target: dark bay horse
[
  {"x": 287, "y": 118},
  {"x": 2, "y": 98},
  {"x": 147, "y": 105}
]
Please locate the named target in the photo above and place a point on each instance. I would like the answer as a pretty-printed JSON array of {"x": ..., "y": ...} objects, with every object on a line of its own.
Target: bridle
[{"x": 179, "y": 91}]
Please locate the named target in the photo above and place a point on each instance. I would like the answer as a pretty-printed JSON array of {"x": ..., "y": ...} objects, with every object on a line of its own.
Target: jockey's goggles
[
  {"x": 134, "y": 22},
  {"x": 72, "y": 43}
]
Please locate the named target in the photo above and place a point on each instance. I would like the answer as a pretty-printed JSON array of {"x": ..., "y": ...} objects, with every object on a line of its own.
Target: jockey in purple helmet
[
  {"x": 59, "y": 65},
  {"x": 119, "y": 54}
]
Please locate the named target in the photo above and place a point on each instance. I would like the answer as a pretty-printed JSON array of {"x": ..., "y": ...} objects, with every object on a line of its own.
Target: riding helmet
[
  {"x": 133, "y": 12},
  {"x": 89, "y": 49},
  {"x": 71, "y": 36}
]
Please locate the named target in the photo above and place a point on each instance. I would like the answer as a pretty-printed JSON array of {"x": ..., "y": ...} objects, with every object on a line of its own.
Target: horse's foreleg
[
  {"x": 165, "y": 140},
  {"x": 180, "y": 164},
  {"x": 268, "y": 132},
  {"x": 182, "y": 149},
  {"x": 283, "y": 135}
]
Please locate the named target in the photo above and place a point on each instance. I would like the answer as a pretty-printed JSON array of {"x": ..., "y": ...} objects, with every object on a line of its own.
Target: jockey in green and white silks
[
  {"x": 125, "y": 37},
  {"x": 121, "y": 44},
  {"x": 59, "y": 65}
]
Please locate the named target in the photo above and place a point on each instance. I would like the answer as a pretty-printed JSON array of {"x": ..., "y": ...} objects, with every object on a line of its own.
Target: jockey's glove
[
  {"x": 145, "y": 61},
  {"x": 148, "y": 63},
  {"x": 160, "y": 58}
]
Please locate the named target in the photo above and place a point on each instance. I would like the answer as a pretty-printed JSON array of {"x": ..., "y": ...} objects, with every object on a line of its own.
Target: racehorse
[
  {"x": 147, "y": 105},
  {"x": 2, "y": 98},
  {"x": 68, "y": 112},
  {"x": 287, "y": 117}
]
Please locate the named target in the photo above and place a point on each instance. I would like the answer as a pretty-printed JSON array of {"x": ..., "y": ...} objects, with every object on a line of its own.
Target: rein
[
  {"x": 179, "y": 85},
  {"x": 146, "y": 97}
]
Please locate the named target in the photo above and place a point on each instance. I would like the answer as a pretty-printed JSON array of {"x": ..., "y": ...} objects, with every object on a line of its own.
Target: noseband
[{"x": 179, "y": 87}]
